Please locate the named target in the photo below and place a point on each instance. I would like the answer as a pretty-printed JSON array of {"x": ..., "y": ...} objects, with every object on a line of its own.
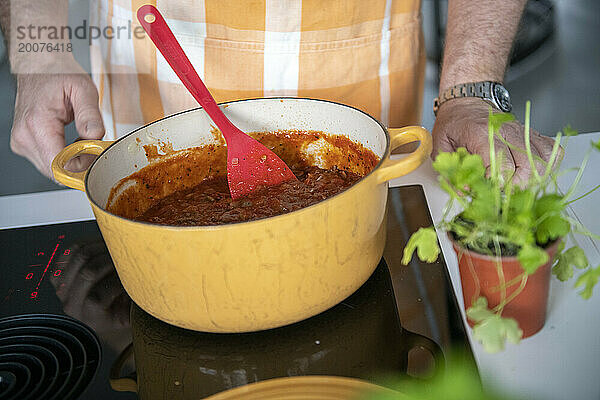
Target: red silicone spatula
[{"x": 249, "y": 164}]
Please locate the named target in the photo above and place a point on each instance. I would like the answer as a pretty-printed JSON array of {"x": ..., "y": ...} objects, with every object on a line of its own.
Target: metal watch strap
[{"x": 483, "y": 90}]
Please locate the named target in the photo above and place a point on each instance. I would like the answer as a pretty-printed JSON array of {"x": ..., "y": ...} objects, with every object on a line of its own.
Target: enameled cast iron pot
[
  {"x": 361, "y": 338},
  {"x": 253, "y": 275}
]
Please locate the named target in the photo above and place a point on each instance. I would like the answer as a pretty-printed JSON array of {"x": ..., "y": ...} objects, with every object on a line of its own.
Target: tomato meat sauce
[{"x": 189, "y": 187}]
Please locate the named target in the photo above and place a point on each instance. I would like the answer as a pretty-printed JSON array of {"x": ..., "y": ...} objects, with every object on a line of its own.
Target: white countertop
[{"x": 560, "y": 362}]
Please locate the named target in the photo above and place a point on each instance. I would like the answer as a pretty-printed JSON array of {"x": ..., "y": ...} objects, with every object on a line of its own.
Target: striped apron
[{"x": 367, "y": 54}]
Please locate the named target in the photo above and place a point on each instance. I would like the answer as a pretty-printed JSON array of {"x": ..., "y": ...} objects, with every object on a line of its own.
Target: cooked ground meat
[{"x": 210, "y": 203}]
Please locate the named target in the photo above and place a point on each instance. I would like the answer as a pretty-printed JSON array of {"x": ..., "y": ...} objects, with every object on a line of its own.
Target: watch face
[{"x": 502, "y": 98}]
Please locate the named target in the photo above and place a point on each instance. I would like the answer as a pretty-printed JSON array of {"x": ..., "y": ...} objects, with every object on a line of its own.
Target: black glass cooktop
[{"x": 64, "y": 274}]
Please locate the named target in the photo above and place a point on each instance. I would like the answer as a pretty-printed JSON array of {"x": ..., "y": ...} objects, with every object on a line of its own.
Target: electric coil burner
[
  {"x": 52, "y": 270},
  {"x": 46, "y": 357}
]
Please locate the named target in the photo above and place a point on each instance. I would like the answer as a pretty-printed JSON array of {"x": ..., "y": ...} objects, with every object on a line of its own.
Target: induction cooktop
[{"x": 65, "y": 320}]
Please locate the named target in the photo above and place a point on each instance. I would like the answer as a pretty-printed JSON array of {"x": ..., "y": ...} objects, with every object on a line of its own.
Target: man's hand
[
  {"x": 44, "y": 105},
  {"x": 463, "y": 122}
]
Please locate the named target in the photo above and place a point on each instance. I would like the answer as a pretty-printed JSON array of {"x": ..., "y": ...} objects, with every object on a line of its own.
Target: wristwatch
[{"x": 492, "y": 92}]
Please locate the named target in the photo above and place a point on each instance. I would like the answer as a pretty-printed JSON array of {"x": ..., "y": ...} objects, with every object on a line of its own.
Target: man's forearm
[
  {"x": 479, "y": 37},
  {"x": 25, "y": 21}
]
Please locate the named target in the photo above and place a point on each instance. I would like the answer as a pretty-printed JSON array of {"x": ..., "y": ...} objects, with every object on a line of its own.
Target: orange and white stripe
[
  {"x": 366, "y": 54},
  {"x": 384, "y": 71},
  {"x": 283, "y": 22}
]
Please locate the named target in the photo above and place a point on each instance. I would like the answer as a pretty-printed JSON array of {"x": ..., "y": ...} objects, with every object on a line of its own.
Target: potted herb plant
[{"x": 508, "y": 238}]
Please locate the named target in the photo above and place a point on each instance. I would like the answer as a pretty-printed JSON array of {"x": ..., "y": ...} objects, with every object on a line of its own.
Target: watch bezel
[{"x": 498, "y": 103}]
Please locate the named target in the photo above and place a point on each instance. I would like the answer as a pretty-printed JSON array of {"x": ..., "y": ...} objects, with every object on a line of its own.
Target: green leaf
[
  {"x": 496, "y": 120},
  {"x": 519, "y": 234},
  {"x": 552, "y": 227},
  {"x": 562, "y": 269},
  {"x": 446, "y": 163},
  {"x": 495, "y": 331},
  {"x": 596, "y": 145},
  {"x": 531, "y": 258},
  {"x": 460, "y": 167},
  {"x": 520, "y": 217},
  {"x": 588, "y": 280},
  {"x": 548, "y": 210},
  {"x": 471, "y": 170},
  {"x": 461, "y": 382},
  {"x": 445, "y": 186},
  {"x": 521, "y": 201},
  {"x": 425, "y": 242},
  {"x": 576, "y": 256},
  {"x": 568, "y": 131},
  {"x": 550, "y": 203},
  {"x": 482, "y": 206},
  {"x": 491, "y": 329},
  {"x": 479, "y": 310}
]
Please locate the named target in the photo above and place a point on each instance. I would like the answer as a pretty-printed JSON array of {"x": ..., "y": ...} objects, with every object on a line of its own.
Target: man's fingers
[
  {"x": 442, "y": 138},
  {"x": 44, "y": 105},
  {"x": 504, "y": 159},
  {"x": 86, "y": 111},
  {"x": 543, "y": 145},
  {"x": 442, "y": 145},
  {"x": 39, "y": 139},
  {"x": 49, "y": 144}
]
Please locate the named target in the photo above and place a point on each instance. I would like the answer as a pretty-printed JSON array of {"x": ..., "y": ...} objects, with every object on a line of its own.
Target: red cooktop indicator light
[{"x": 46, "y": 269}]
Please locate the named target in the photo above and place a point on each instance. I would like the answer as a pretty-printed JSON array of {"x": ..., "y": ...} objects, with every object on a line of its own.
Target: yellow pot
[
  {"x": 254, "y": 275},
  {"x": 374, "y": 347},
  {"x": 310, "y": 387}
]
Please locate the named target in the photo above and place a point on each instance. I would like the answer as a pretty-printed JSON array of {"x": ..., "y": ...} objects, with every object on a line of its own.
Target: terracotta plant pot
[{"x": 479, "y": 277}]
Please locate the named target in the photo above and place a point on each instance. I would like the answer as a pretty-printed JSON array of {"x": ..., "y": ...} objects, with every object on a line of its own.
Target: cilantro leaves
[
  {"x": 425, "y": 242},
  {"x": 490, "y": 328},
  {"x": 496, "y": 120},
  {"x": 588, "y": 280},
  {"x": 563, "y": 266},
  {"x": 568, "y": 131},
  {"x": 548, "y": 211},
  {"x": 523, "y": 221},
  {"x": 499, "y": 218},
  {"x": 531, "y": 258},
  {"x": 460, "y": 168}
]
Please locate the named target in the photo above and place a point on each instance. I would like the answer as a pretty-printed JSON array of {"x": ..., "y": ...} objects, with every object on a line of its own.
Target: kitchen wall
[{"x": 561, "y": 78}]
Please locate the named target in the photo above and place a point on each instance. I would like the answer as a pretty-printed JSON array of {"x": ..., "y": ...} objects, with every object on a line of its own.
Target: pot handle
[
  {"x": 391, "y": 169},
  {"x": 415, "y": 340},
  {"x": 75, "y": 180},
  {"x": 117, "y": 382}
]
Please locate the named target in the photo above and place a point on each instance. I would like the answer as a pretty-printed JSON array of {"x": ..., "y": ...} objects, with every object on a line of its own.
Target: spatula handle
[{"x": 155, "y": 26}]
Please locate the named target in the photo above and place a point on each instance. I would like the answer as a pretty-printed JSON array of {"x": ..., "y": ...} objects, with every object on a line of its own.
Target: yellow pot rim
[
  {"x": 297, "y": 386},
  {"x": 385, "y": 156}
]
